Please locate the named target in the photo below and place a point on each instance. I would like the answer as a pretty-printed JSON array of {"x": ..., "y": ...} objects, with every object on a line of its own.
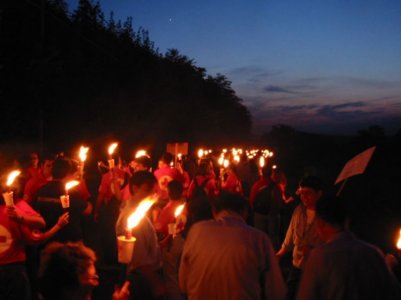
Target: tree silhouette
[{"x": 85, "y": 78}]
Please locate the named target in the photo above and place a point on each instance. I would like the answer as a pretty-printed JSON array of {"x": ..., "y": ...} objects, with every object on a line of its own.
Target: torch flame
[
  {"x": 200, "y": 153},
  {"x": 12, "y": 176},
  {"x": 83, "y": 153},
  {"x": 261, "y": 161},
  {"x": 140, "y": 212},
  {"x": 226, "y": 163},
  {"x": 399, "y": 241},
  {"x": 140, "y": 153},
  {"x": 71, "y": 184},
  {"x": 112, "y": 147},
  {"x": 178, "y": 210}
]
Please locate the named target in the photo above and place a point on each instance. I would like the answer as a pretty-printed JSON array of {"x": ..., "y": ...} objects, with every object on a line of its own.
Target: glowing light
[
  {"x": 226, "y": 163},
  {"x": 111, "y": 149},
  {"x": 399, "y": 242},
  {"x": 83, "y": 153},
  {"x": 140, "y": 153},
  {"x": 200, "y": 153},
  {"x": 262, "y": 162},
  {"x": 140, "y": 212},
  {"x": 11, "y": 177},
  {"x": 178, "y": 210},
  {"x": 70, "y": 184}
]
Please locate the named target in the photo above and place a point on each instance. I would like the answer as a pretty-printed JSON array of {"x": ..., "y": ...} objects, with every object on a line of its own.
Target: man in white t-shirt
[{"x": 302, "y": 235}]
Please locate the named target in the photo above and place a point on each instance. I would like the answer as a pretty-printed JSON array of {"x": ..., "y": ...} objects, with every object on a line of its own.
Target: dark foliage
[{"x": 79, "y": 77}]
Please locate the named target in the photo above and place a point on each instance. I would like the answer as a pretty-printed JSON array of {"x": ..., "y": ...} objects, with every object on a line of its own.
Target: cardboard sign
[
  {"x": 356, "y": 165},
  {"x": 175, "y": 148}
]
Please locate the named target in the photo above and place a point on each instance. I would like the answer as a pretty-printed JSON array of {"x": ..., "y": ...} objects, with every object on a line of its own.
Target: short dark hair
[
  {"x": 142, "y": 177},
  {"x": 175, "y": 189},
  {"x": 312, "y": 182},
  {"x": 61, "y": 168},
  {"x": 145, "y": 161},
  {"x": 61, "y": 267},
  {"x": 166, "y": 157},
  {"x": 332, "y": 210},
  {"x": 231, "y": 201}
]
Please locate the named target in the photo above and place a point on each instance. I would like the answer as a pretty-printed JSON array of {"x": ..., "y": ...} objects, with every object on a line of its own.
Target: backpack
[{"x": 263, "y": 200}]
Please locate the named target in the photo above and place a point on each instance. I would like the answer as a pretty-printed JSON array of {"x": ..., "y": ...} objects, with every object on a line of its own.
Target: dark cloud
[
  {"x": 277, "y": 89},
  {"x": 293, "y": 89},
  {"x": 370, "y": 83},
  {"x": 348, "y": 104},
  {"x": 252, "y": 74},
  {"x": 323, "y": 118},
  {"x": 252, "y": 71}
]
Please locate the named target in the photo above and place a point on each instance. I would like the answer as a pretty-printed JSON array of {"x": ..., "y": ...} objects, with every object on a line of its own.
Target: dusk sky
[{"x": 324, "y": 66}]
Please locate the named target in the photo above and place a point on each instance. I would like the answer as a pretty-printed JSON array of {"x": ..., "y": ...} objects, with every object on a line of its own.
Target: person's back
[
  {"x": 227, "y": 259},
  {"x": 48, "y": 204},
  {"x": 344, "y": 267}
]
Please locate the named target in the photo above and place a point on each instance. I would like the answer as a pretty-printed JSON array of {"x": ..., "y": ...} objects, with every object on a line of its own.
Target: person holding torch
[
  {"x": 144, "y": 268},
  {"x": 169, "y": 225},
  {"x": 19, "y": 227},
  {"x": 49, "y": 203}
]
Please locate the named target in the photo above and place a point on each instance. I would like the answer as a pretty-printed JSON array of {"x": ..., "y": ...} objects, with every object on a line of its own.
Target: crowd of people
[{"x": 237, "y": 226}]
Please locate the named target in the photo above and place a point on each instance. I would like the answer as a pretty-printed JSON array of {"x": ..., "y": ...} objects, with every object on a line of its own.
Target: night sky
[{"x": 331, "y": 66}]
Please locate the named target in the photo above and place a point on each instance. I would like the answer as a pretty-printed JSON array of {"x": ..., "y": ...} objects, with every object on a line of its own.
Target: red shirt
[
  {"x": 166, "y": 216},
  {"x": 164, "y": 176},
  {"x": 33, "y": 185},
  {"x": 106, "y": 189},
  {"x": 256, "y": 187},
  {"x": 232, "y": 184},
  {"x": 13, "y": 235}
]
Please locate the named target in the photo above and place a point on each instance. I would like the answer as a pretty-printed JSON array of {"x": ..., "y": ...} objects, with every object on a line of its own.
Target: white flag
[{"x": 356, "y": 165}]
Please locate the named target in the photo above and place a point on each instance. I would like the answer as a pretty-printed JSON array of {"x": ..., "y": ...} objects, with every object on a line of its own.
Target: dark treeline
[{"x": 81, "y": 77}]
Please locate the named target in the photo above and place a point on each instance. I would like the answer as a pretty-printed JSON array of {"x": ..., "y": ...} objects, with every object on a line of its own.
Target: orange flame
[
  {"x": 83, "y": 153},
  {"x": 140, "y": 153},
  {"x": 112, "y": 147},
  {"x": 178, "y": 210},
  {"x": 11, "y": 177},
  {"x": 70, "y": 184},
  {"x": 261, "y": 162},
  {"x": 399, "y": 242},
  {"x": 140, "y": 212}
]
